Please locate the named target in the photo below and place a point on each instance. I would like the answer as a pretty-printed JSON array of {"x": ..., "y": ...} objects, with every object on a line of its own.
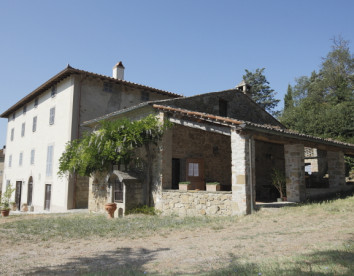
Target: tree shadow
[
  {"x": 123, "y": 261},
  {"x": 328, "y": 262}
]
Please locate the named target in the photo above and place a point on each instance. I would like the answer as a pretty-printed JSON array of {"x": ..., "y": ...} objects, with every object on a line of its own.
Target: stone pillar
[
  {"x": 162, "y": 168},
  {"x": 242, "y": 176},
  {"x": 295, "y": 172},
  {"x": 98, "y": 192},
  {"x": 336, "y": 168}
]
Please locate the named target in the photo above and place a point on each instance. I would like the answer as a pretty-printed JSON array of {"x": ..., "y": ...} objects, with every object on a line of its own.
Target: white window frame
[
  {"x": 12, "y": 135},
  {"x": 52, "y": 116},
  {"x": 33, "y": 152},
  {"x": 49, "y": 163},
  {"x": 34, "y": 124},
  {"x": 20, "y": 159},
  {"x": 23, "y": 129},
  {"x": 10, "y": 160}
]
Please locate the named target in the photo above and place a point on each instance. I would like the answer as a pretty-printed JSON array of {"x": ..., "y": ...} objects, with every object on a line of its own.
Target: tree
[
  {"x": 261, "y": 92},
  {"x": 288, "y": 98},
  {"x": 323, "y": 103}
]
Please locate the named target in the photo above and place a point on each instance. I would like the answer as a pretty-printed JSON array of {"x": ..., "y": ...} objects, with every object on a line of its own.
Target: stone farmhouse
[
  {"x": 41, "y": 123},
  {"x": 223, "y": 146}
]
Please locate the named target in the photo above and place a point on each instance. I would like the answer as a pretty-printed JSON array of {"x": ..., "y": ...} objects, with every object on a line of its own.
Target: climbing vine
[{"x": 113, "y": 143}]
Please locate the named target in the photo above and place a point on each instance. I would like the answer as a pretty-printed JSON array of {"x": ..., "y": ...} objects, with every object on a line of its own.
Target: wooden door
[
  {"x": 195, "y": 173},
  {"x": 48, "y": 194},
  {"x": 18, "y": 194}
]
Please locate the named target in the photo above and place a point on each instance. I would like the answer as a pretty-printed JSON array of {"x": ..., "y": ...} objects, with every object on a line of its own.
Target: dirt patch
[{"x": 252, "y": 238}]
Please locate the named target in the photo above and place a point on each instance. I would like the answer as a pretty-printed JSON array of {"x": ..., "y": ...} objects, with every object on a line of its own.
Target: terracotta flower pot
[
  {"x": 5, "y": 213},
  {"x": 110, "y": 208}
]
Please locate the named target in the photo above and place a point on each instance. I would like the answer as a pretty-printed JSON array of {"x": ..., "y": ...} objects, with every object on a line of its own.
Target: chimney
[
  {"x": 118, "y": 71},
  {"x": 244, "y": 87}
]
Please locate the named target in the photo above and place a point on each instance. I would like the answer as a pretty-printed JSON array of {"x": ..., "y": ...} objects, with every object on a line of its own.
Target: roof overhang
[
  {"x": 267, "y": 133},
  {"x": 68, "y": 71}
]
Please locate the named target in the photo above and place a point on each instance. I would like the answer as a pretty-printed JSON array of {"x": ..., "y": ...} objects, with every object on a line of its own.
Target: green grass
[
  {"x": 330, "y": 258},
  {"x": 76, "y": 226}
]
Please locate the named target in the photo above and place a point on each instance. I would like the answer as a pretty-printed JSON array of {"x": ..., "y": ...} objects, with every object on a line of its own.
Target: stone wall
[
  {"x": 336, "y": 168},
  {"x": 239, "y": 106},
  {"x": 213, "y": 148},
  {"x": 133, "y": 195},
  {"x": 195, "y": 203},
  {"x": 81, "y": 192}
]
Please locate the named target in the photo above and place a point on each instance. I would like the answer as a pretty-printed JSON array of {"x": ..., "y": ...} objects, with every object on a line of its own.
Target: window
[
  {"x": 49, "y": 167},
  {"x": 222, "y": 108},
  {"x": 35, "y": 102},
  {"x": 107, "y": 87},
  {"x": 52, "y": 116},
  {"x": 145, "y": 96},
  {"x": 118, "y": 191},
  {"x": 193, "y": 169},
  {"x": 24, "y": 109},
  {"x": 23, "y": 129},
  {"x": 34, "y": 124},
  {"x": 54, "y": 91},
  {"x": 10, "y": 161},
  {"x": 12, "y": 134},
  {"x": 20, "y": 159},
  {"x": 13, "y": 116},
  {"x": 32, "y": 156}
]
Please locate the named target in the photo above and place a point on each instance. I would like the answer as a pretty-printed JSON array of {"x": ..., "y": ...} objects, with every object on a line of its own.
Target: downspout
[
  {"x": 78, "y": 135},
  {"x": 250, "y": 154}
]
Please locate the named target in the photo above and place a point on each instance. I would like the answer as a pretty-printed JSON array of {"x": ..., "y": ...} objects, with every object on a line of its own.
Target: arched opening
[{"x": 120, "y": 212}]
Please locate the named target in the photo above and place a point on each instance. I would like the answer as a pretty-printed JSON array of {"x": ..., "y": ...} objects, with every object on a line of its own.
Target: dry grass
[{"x": 313, "y": 239}]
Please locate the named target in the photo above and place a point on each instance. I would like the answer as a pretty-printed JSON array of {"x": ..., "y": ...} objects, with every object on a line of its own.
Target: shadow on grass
[
  {"x": 331, "y": 262},
  {"x": 123, "y": 261}
]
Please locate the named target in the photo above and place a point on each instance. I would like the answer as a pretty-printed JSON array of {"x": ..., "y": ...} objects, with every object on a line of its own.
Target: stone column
[
  {"x": 295, "y": 172},
  {"x": 162, "y": 167},
  {"x": 243, "y": 173},
  {"x": 336, "y": 168},
  {"x": 98, "y": 192}
]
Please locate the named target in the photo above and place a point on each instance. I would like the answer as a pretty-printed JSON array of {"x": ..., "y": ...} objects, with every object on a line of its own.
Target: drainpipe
[
  {"x": 78, "y": 134},
  {"x": 250, "y": 153}
]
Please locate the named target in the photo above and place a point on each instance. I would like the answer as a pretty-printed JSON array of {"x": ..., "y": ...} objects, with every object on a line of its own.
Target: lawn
[{"x": 311, "y": 239}]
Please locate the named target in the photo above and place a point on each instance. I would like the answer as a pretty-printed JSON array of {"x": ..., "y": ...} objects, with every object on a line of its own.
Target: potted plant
[
  {"x": 213, "y": 186},
  {"x": 5, "y": 201},
  {"x": 110, "y": 208},
  {"x": 184, "y": 186},
  {"x": 13, "y": 206},
  {"x": 279, "y": 182}
]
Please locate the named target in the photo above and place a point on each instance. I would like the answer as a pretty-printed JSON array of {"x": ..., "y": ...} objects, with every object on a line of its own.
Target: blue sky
[{"x": 185, "y": 46}]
